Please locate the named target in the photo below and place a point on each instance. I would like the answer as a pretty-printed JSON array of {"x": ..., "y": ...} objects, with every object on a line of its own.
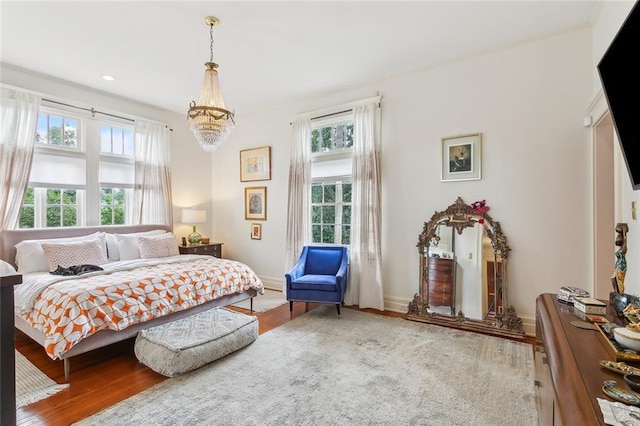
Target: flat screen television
[{"x": 620, "y": 77}]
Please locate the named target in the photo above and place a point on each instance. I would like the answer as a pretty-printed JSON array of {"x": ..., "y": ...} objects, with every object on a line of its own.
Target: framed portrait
[
  {"x": 255, "y": 203},
  {"x": 255, "y": 164},
  {"x": 461, "y": 157},
  {"x": 256, "y": 231}
]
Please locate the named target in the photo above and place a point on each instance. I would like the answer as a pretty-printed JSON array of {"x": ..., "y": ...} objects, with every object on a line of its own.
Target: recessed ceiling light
[{"x": 108, "y": 77}]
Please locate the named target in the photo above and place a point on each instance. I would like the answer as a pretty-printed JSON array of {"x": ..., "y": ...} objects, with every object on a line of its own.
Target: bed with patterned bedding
[{"x": 70, "y": 315}]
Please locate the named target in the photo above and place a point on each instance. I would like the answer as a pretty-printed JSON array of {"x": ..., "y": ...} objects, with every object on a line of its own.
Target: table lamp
[{"x": 194, "y": 216}]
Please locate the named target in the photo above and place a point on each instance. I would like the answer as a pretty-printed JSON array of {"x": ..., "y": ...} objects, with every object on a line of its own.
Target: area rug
[
  {"x": 32, "y": 384},
  {"x": 357, "y": 369},
  {"x": 264, "y": 302}
]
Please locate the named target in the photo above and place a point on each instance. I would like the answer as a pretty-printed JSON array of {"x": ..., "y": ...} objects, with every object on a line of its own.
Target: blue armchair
[{"x": 320, "y": 275}]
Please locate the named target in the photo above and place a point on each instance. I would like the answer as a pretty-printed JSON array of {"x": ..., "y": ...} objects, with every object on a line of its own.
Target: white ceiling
[{"x": 268, "y": 52}]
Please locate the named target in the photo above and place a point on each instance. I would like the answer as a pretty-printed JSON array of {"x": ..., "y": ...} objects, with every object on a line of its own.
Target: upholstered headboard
[{"x": 8, "y": 239}]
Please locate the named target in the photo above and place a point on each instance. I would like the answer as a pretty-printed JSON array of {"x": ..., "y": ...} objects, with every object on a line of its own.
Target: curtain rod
[
  {"x": 333, "y": 113},
  {"x": 94, "y": 111},
  {"x": 346, "y": 107}
]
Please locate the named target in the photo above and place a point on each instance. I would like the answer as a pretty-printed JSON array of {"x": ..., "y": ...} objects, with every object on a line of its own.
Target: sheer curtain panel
[
  {"x": 299, "y": 200},
  {"x": 365, "y": 276},
  {"x": 18, "y": 128},
  {"x": 152, "y": 194}
]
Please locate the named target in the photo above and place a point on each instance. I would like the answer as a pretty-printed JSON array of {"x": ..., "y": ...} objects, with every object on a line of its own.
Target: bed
[{"x": 69, "y": 315}]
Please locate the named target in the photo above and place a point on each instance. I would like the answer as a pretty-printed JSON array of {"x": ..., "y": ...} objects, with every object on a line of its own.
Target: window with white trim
[
  {"x": 331, "y": 154},
  {"x": 82, "y": 172}
]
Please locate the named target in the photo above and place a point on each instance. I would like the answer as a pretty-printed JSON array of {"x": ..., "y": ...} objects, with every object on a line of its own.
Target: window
[
  {"x": 82, "y": 172},
  {"x": 115, "y": 140},
  {"x": 331, "y": 212},
  {"x": 61, "y": 207},
  {"x": 332, "y": 137},
  {"x": 57, "y": 130},
  {"x": 112, "y": 206},
  {"x": 331, "y": 148}
]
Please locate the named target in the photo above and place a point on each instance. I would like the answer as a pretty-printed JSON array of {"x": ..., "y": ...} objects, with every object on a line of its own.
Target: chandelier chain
[{"x": 211, "y": 42}]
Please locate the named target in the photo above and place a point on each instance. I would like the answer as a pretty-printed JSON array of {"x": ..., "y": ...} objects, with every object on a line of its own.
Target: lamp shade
[{"x": 194, "y": 216}]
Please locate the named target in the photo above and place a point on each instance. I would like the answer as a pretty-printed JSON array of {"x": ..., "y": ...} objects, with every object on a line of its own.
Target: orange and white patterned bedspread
[{"x": 70, "y": 310}]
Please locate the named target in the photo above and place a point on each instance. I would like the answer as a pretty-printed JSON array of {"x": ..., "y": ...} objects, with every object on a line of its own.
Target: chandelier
[{"x": 209, "y": 120}]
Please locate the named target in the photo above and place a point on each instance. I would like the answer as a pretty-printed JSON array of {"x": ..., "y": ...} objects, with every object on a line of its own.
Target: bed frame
[{"x": 8, "y": 240}]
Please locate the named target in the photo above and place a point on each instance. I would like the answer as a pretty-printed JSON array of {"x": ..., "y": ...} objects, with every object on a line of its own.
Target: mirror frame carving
[{"x": 460, "y": 216}]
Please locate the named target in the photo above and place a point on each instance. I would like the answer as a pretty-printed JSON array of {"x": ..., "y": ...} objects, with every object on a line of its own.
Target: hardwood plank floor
[{"x": 106, "y": 376}]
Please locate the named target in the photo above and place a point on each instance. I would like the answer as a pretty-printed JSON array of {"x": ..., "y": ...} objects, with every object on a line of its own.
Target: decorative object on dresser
[
  {"x": 211, "y": 249},
  {"x": 589, "y": 305},
  {"x": 497, "y": 316},
  {"x": 194, "y": 216},
  {"x": 617, "y": 279},
  {"x": 255, "y": 203},
  {"x": 566, "y": 294},
  {"x": 255, "y": 164},
  {"x": 461, "y": 157}
]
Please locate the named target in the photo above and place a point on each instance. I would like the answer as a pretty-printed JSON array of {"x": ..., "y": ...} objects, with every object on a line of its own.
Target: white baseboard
[{"x": 395, "y": 304}]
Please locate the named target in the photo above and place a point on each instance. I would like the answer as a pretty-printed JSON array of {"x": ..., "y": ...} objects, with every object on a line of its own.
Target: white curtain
[
  {"x": 365, "y": 275},
  {"x": 152, "y": 193},
  {"x": 299, "y": 200},
  {"x": 19, "y": 113}
]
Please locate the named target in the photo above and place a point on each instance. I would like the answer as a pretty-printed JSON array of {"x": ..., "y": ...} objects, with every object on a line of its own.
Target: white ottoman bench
[{"x": 189, "y": 343}]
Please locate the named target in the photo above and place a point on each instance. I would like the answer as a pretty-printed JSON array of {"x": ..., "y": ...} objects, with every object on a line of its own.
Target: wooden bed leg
[{"x": 66, "y": 370}]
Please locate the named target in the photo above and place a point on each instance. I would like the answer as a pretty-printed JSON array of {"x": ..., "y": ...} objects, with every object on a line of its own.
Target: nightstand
[{"x": 213, "y": 249}]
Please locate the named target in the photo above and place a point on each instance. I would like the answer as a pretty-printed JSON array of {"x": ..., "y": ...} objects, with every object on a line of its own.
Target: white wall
[
  {"x": 191, "y": 167},
  {"x": 528, "y": 103}
]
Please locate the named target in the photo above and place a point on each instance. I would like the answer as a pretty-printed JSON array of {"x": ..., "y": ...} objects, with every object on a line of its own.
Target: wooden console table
[{"x": 567, "y": 363}]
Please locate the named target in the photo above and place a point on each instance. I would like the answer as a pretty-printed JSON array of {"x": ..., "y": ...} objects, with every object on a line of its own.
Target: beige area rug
[
  {"x": 264, "y": 302},
  {"x": 360, "y": 369},
  {"x": 32, "y": 384}
]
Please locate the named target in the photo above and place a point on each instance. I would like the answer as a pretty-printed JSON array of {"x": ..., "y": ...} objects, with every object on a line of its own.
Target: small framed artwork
[
  {"x": 255, "y": 164},
  {"x": 255, "y": 203},
  {"x": 256, "y": 231},
  {"x": 461, "y": 157}
]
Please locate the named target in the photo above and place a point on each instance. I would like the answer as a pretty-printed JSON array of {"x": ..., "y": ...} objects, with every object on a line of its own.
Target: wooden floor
[{"x": 106, "y": 376}]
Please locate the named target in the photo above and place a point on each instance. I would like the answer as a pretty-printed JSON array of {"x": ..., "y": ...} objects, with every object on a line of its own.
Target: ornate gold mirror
[{"x": 450, "y": 280}]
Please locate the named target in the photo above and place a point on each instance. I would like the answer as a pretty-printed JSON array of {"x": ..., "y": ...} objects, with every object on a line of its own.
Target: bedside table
[{"x": 213, "y": 249}]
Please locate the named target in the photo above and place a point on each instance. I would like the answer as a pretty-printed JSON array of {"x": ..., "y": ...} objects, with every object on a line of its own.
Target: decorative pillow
[
  {"x": 128, "y": 244},
  {"x": 113, "y": 250},
  {"x": 159, "y": 246},
  {"x": 74, "y": 253},
  {"x": 30, "y": 256}
]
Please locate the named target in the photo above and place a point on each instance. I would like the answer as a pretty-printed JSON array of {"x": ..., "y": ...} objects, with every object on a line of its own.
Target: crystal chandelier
[{"x": 209, "y": 120}]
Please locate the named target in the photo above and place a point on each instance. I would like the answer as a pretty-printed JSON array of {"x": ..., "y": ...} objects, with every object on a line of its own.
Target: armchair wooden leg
[
  {"x": 338, "y": 308},
  {"x": 291, "y": 309}
]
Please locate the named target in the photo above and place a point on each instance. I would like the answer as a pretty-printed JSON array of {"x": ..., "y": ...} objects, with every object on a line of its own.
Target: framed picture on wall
[
  {"x": 255, "y": 164},
  {"x": 256, "y": 231},
  {"x": 255, "y": 203},
  {"x": 461, "y": 157}
]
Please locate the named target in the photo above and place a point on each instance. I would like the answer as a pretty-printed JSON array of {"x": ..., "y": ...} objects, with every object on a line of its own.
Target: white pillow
[
  {"x": 158, "y": 246},
  {"x": 74, "y": 253},
  {"x": 30, "y": 257},
  {"x": 128, "y": 244},
  {"x": 113, "y": 250}
]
